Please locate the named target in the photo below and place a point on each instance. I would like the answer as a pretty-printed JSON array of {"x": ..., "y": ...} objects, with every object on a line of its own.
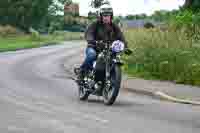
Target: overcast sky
[{"x": 124, "y": 7}]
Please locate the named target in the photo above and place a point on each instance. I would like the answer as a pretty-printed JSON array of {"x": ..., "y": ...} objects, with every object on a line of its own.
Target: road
[{"x": 36, "y": 96}]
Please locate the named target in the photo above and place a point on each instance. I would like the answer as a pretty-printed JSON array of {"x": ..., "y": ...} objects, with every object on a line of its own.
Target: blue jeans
[{"x": 90, "y": 58}]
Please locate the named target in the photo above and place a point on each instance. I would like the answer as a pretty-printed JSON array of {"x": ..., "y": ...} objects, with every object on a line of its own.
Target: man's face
[{"x": 106, "y": 19}]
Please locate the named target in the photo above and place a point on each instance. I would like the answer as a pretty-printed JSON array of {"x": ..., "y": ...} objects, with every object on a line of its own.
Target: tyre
[
  {"x": 83, "y": 94},
  {"x": 110, "y": 94}
]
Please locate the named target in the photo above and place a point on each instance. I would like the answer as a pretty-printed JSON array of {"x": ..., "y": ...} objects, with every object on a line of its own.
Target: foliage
[
  {"x": 28, "y": 13},
  {"x": 98, "y": 3},
  {"x": 23, "y": 13},
  {"x": 56, "y": 24},
  {"x": 149, "y": 25},
  {"x": 192, "y": 4},
  {"x": 137, "y": 16},
  {"x": 8, "y": 30},
  {"x": 189, "y": 22},
  {"x": 167, "y": 55},
  {"x": 92, "y": 15},
  {"x": 116, "y": 20},
  {"x": 35, "y": 36},
  {"x": 57, "y": 6}
]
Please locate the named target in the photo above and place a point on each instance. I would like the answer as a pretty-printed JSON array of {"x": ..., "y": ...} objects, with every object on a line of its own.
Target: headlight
[{"x": 117, "y": 46}]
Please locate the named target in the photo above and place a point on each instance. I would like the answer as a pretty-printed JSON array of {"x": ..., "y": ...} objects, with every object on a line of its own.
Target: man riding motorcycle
[{"x": 102, "y": 29}]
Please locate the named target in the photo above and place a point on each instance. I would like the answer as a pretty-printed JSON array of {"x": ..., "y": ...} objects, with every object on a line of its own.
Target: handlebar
[{"x": 99, "y": 41}]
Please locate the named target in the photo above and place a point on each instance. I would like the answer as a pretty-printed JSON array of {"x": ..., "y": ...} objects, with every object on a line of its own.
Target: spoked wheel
[
  {"x": 83, "y": 94},
  {"x": 111, "y": 90},
  {"x": 77, "y": 70}
]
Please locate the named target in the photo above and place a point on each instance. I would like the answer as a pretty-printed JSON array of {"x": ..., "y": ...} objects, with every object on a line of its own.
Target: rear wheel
[{"x": 111, "y": 92}]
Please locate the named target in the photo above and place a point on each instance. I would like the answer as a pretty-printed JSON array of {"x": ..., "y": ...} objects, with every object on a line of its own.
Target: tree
[
  {"x": 57, "y": 6},
  {"x": 23, "y": 13},
  {"x": 98, "y": 3},
  {"x": 188, "y": 3},
  {"x": 131, "y": 17},
  {"x": 65, "y": 2},
  {"x": 192, "y": 4},
  {"x": 28, "y": 13},
  {"x": 116, "y": 20},
  {"x": 137, "y": 16},
  {"x": 163, "y": 15},
  {"x": 92, "y": 15}
]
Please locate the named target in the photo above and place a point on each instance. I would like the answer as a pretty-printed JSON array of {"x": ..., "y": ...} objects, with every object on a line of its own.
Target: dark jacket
[{"x": 99, "y": 31}]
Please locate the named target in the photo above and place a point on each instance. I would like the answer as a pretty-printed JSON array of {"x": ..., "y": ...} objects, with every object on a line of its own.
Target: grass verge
[
  {"x": 163, "y": 55},
  {"x": 11, "y": 43}
]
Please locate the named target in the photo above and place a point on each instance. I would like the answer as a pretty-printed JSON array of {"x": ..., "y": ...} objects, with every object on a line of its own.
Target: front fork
[{"x": 110, "y": 64}]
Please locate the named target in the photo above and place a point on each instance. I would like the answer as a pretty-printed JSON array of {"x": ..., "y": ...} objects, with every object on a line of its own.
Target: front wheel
[
  {"x": 83, "y": 94},
  {"x": 110, "y": 92}
]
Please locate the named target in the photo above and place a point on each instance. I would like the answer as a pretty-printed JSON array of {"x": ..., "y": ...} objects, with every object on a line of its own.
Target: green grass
[
  {"x": 27, "y": 41},
  {"x": 163, "y": 55}
]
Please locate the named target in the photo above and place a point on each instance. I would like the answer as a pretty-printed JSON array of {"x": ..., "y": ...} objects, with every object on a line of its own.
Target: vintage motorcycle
[{"x": 105, "y": 77}]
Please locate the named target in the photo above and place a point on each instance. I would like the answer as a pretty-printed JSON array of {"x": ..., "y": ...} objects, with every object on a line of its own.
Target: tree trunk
[{"x": 188, "y": 3}]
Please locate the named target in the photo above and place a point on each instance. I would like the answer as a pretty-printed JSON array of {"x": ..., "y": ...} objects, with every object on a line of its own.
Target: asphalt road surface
[{"x": 36, "y": 96}]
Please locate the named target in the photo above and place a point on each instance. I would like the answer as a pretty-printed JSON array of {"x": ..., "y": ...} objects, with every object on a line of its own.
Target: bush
[
  {"x": 54, "y": 26},
  {"x": 35, "y": 36},
  {"x": 189, "y": 22},
  {"x": 165, "y": 55},
  {"x": 148, "y": 25},
  {"x": 8, "y": 31}
]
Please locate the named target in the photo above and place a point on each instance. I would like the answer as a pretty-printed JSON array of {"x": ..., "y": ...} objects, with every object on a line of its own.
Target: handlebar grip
[{"x": 128, "y": 51}]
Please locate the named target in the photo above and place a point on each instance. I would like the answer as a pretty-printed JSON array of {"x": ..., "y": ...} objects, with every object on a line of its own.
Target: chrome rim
[
  {"x": 82, "y": 91},
  {"x": 108, "y": 92}
]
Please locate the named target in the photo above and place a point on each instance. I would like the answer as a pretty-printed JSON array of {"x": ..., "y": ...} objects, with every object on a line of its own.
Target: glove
[
  {"x": 128, "y": 51},
  {"x": 91, "y": 45}
]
